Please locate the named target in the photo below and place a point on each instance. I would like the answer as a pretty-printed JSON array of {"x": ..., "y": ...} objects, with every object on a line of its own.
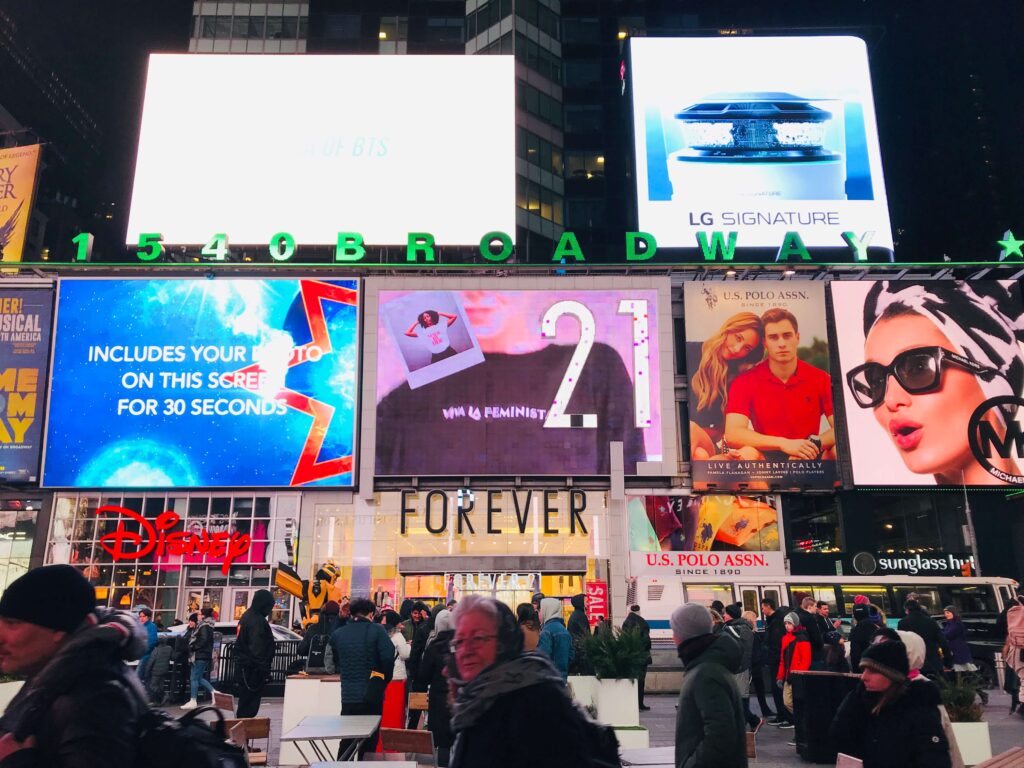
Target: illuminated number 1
[
  {"x": 641, "y": 358},
  {"x": 557, "y": 417}
]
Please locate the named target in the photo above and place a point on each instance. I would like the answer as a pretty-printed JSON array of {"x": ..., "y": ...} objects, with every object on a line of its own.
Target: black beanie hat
[
  {"x": 889, "y": 659},
  {"x": 735, "y": 610},
  {"x": 54, "y": 596}
]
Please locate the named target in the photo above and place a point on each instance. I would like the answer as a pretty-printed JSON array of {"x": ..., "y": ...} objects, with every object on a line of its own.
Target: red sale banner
[{"x": 596, "y": 601}]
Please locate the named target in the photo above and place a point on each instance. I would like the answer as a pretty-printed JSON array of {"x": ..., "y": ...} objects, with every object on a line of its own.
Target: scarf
[
  {"x": 476, "y": 697},
  {"x": 107, "y": 636},
  {"x": 694, "y": 647}
]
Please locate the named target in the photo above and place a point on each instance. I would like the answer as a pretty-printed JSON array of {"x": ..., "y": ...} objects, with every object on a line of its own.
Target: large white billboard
[
  {"x": 760, "y": 136},
  {"x": 251, "y": 146}
]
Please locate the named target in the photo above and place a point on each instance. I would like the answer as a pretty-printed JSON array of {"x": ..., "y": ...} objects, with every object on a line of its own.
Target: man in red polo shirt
[{"x": 774, "y": 410}]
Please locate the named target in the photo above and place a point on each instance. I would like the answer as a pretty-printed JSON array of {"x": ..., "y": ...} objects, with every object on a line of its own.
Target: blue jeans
[{"x": 198, "y": 671}]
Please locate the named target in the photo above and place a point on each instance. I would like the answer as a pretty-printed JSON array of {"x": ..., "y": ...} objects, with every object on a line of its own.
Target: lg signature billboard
[
  {"x": 489, "y": 381},
  {"x": 933, "y": 379},
  {"x": 198, "y": 383}
]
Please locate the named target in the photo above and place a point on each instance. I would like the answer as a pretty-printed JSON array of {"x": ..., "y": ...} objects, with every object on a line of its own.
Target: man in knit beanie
[
  {"x": 80, "y": 703},
  {"x": 710, "y": 728}
]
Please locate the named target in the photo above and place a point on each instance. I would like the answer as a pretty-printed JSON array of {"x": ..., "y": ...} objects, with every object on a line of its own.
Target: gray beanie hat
[
  {"x": 792, "y": 618},
  {"x": 690, "y": 620}
]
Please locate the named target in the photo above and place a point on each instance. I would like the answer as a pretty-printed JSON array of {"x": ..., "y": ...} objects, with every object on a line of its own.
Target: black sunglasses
[{"x": 917, "y": 370}]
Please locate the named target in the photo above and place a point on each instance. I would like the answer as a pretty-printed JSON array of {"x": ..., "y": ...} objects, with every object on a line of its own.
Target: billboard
[
  {"x": 760, "y": 394},
  {"x": 520, "y": 382},
  {"x": 18, "y": 172},
  {"x": 777, "y": 135},
  {"x": 203, "y": 383},
  {"x": 380, "y": 145},
  {"x": 933, "y": 380},
  {"x": 25, "y": 317},
  {"x": 705, "y": 535}
]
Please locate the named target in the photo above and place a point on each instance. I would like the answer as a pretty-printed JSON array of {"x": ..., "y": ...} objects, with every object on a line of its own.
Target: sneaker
[
  {"x": 756, "y": 728},
  {"x": 787, "y": 727},
  {"x": 775, "y": 720},
  {"x": 644, "y": 708},
  {"x": 190, "y": 704}
]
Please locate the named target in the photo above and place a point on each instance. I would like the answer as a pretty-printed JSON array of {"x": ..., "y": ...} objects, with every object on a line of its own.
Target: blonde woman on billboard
[
  {"x": 934, "y": 354},
  {"x": 734, "y": 348}
]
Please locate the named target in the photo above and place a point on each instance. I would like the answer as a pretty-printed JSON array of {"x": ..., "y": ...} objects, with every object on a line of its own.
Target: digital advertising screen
[
  {"x": 757, "y": 136},
  {"x": 933, "y": 381},
  {"x": 203, "y": 383},
  {"x": 25, "y": 317},
  {"x": 760, "y": 394},
  {"x": 705, "y": 535},
  {"x": 379, "y": 145},
  {"x": 509, "y": 382}
]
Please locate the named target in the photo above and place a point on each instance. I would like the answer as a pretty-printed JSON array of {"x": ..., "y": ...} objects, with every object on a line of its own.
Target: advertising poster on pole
[
  {"x": 203, "y": 383},
  {"x": 25, "y": 317},
  {"x": 705, "y": 535},
  {"x": 18, "y": 172},
  {"x": 760, "y": 393},
  {"x": 933, "y": 381}
]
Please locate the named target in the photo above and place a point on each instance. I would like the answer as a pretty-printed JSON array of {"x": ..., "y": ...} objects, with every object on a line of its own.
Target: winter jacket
[
  {"x": 152, "y": 635},
  {"x": 774, "y": 631},
  {"x": 860, "y": 635},
  {"x": 254, "y": 648},
  {"x": 361, "y": 647},
  {"x": 710, "y": 728},
  {"x": 796, "y": 653},
  {"x": 809, "y": 621},
  {"x": 432, "y": 667},
  {"x": 744, "y": 635},
  {"x": 419, "y": 644},
  {"x": 637, "y": 623},
  {"x": 83, "y": 707},
  {"x": 579, "y": 624},
  {"x": 956, "y": 638},
  {"x": 759, "y": 653},
  {"x": 555, "y": 641},
  {"x": 920, "y": 623},
  {"x": 201, "y": 642},
  {"x": 402, "y": 651},
  {"x": 907, "y": 733}
]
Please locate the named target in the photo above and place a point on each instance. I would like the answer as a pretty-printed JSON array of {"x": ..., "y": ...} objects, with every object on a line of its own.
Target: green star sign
[{"x": 1011, "y": 246}]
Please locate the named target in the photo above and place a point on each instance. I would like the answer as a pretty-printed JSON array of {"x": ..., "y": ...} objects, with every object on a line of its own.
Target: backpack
[
  {"x": 320, "y": 659},
  {"x": 165, "y": 742}
]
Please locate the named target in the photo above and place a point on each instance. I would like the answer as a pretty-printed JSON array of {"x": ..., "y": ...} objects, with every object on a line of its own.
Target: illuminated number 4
[
  {"x": 557, "y": 418},
  {"x": 217, "y": 249}
]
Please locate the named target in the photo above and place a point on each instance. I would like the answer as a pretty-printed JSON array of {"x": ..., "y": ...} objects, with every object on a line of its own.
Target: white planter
[
  {"x": 616, "y": 702},
  {"x": 583, "y": 689},
  {"x": 633, "y": 738},
  {"x": 7, "y": 692},
  {"x": 973, "y": 740}
]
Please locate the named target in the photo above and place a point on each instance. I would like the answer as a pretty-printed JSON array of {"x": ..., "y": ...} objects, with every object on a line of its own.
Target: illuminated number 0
[
  {"x": 557, "y": 417},
  {"x": 641, "y": 359}
]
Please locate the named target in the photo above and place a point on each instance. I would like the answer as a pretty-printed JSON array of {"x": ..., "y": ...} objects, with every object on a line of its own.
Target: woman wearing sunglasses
[{"x": 932, "y": 354}]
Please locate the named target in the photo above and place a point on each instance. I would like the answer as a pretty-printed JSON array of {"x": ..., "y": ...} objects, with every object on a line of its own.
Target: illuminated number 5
[
  {"x": 557, "y": 417},
  {"x": 641, "y": 358}
]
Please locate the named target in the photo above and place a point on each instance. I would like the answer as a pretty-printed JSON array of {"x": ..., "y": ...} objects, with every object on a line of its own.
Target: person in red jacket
[{"x": 796, "y": 655}]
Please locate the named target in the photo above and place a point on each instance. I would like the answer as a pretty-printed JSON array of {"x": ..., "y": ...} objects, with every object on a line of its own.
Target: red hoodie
[{"x": 797, "y": 657}]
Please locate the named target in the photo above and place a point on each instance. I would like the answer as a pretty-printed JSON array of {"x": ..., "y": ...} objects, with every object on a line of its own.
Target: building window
[
  {"x": 584, "y": 73},
  {"x": 583, "y": 119},
  {"x": 539, "y": 152},
  {"x": 342, "y": 26},
  {"x": 585, "y": 30},
  {"x": 486, "y": 16},
  {"x": 921, "y": 524},
  {"x": 538, "y": 200},
  {"x": 814, "y": 524},
  {"x": 442, "y": 30},
  {"x": 584, "y": 165},
  {"x": 502, "y": 45},
  {"x": 540, "y": 60},
  {"x": 585, "y": 213},
  {"x": 539, "y": 15},
  {"x": 247, "y": 27},
  {"x": 216, "y": 27},
  {"x": 539, "y": 104}
]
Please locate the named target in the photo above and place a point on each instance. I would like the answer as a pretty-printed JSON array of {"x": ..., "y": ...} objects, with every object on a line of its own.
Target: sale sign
[{"x": 596, "y": 601}]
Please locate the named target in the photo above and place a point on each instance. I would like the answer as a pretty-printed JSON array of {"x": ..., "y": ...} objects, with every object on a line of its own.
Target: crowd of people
[{"x": 494, "y": 679}]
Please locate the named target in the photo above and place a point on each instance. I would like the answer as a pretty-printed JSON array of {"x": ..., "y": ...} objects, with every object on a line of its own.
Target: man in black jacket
[
  {"x": 808, "y": 613},
  {"x": 637, "y": 623},
  {"x": 80, "y": 704},
  {"x": 579, "y": 628},
  {"x": 920, "y": 623},
  {"x": 774, "y": 630},
  {"x": 254, "y": 652},
  {"x": 420, "y": 618}
]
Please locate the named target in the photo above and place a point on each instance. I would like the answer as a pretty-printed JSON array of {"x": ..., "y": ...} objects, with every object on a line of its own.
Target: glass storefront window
[{"x": 813, "y": 524}]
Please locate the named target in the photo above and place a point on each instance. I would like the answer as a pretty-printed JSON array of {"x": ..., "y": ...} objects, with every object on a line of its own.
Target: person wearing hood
[
  {"x": 512, "y": 708},
  {"x": 864, "y": 629},
  {"x": 555, "y": 642},
  {"x": 201, "y": 653},
  {"x": 579, "y": 629},
  {"x": 254, "y": 651},
  {"x": 637, "y": 623},
  {"x": 743, "y": 633},
  {"x": 887, "y": 721},
  {"x": 796, "y": 657},
  {"x": 917, "y": 620},
  {"x": 432, "y": 671},
  {"x": 710, "y": 728},
  {"x": 80, "y": 706}
]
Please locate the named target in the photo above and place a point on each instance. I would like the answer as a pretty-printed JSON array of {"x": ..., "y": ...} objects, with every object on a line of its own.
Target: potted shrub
[
  {"x": 959, "y": 696},
  {"x": 617, "y": 658}
]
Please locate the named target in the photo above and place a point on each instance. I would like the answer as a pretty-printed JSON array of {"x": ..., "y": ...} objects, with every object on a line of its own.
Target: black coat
[
  {"x": 529, "y": 727},
  {"x": 809, "y": 621},
  {"x": 860, "y": 639},
  {"x": 202, "y": 642},
  {"x": 774, "y": 631},
  {"x": 636, "y": 622},
  {"x": 412, "y": 664},
  {"x": 920, "y": 623},
  {"x": 907, "y": 733},
  {"x": 254, "y": 647},
  {"x": 431, "y": 674}
]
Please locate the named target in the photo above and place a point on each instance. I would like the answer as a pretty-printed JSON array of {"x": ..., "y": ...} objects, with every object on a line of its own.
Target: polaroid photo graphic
[{"x": 433, "y": 336}]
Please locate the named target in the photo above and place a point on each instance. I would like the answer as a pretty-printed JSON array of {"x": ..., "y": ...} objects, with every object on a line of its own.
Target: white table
[
  {"x": 317, "y": 730},
  {"x": 654, "y": 756},
  {"x": 306, "y": 695}
]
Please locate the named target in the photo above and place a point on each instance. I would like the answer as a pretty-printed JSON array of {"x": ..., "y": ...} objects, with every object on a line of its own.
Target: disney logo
[{"x": 154, "y": 539}]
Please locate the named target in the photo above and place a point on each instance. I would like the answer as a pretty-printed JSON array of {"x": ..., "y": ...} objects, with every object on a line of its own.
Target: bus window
[
  {"x": 973, "y": 599},
  {"x": 772, "y": 594},
  {"x": 875, "y": 593},
  {"x": 820, "y": 593},
  {"x": 706, "y": 594},
  {"x": 750, "y": 600},
  {"x": 928, "y": 597}
]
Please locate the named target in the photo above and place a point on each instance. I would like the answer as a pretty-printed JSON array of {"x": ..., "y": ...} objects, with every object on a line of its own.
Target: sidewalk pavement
[{"x": 1006, "y": 730}]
